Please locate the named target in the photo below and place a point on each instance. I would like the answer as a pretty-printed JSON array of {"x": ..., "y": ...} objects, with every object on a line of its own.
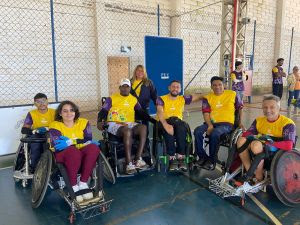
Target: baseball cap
[{"x": 125, "y": 81}]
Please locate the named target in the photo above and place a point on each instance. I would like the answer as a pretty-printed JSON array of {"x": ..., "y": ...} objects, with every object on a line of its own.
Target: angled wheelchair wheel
[
  {"x": 107, "y": 170},
  {"x": 19, "y": 158},
  {"x": 285, "y": 177},
  {"x": 41, "y": 179}
]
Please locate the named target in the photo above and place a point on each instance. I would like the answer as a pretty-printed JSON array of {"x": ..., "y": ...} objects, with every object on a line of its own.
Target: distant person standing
[
  {"x": 277, "y": 74},
  {"x": 297, "y": 84},
  {"x": 238, "y": 76}
]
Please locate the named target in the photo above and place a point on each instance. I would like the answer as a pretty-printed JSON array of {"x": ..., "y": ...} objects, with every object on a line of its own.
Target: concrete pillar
[
  {"x": 175, "y": 29},
  {"x": 101, "y": 51},
  {"x": 279, "y": 28}
]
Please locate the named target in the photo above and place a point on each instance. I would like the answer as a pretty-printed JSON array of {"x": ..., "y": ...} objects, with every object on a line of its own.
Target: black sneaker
[
  {"x": 208, "y": 165},
  {"x": 200, "y": 162},
  {"x": 173, "y": 165}
]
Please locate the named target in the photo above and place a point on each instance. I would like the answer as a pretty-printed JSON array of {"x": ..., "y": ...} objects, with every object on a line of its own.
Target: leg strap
[{"x": 244, "y": 146}]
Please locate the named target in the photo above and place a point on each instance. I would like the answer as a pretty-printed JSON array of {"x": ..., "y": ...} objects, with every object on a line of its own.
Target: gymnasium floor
[{"x": 151, "y": 198}]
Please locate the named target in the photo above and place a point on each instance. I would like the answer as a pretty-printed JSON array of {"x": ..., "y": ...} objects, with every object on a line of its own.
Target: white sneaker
[
  {"x": 140, "y": 164},
  {"x": 79, "y": 198},
  {"x": 101, "y": 195},
  {"x": 130, "y": 169},
  {"x": 84, "y": 186}
]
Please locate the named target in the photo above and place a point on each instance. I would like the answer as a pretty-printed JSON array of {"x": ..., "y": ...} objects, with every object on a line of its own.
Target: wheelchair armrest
[{"x": 33, "y": 140}]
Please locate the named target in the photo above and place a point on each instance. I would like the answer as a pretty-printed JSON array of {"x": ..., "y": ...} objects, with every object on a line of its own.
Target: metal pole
[
  {"x": 253, "y": 45},
  {"x": 291, "y": 50},
  {"x": 234, "y": 33},
  {"x": 53, "y": 50},
  {"x": 158, "y": 20}
]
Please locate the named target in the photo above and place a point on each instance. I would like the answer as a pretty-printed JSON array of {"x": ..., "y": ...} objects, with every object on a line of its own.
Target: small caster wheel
[
  {"x": 72, "y": 218},
  {"x": 24, "y": 183},
  {"x": 16, "y": 180}
]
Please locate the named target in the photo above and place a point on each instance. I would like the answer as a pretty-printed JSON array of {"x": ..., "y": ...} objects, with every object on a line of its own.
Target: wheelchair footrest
[
  {"x": 94, "y": 209},
  {"x": 222, "y": 187},
  {"x": 22, "y": 175}
]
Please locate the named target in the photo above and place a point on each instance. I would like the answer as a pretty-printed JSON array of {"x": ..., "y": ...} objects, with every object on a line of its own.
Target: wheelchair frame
[
  {"x": 223, "y": 187},
  {"x": 44, "y": 177},
  {"x": 23, "y": 174}
]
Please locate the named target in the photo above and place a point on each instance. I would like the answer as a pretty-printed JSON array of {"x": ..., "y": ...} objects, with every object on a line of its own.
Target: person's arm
[
  {"x": 54, "y": 135},
  {"x": 102, "y": 115},
  {"x": 251, "y": 131},
  {"x": 153, "y": 92},
  {"x": 206, "y": 115},
  {"x": 233, "y": 78},
  {"x": 288, "y": 134},
  {"x": 160, "y": 113},
  {"x": 28, "y": 122},
  {"x": 197, "y": 97}
]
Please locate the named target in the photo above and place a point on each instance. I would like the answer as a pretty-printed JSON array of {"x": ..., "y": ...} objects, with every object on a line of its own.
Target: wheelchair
[
  {"x": 113, "y": 149},
  {"x": 161, "y": 156},
  {"x": 21, "y": 169},
  {"x": 53, "y": 174},
  {"x": 282, "y": 172}
]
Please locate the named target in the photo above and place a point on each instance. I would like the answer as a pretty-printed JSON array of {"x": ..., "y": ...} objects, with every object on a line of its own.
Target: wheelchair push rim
[
  {"x": 107, "y": 170},
  {"x": 41, "y": 179},
  {"x": 285, "y": 177}
]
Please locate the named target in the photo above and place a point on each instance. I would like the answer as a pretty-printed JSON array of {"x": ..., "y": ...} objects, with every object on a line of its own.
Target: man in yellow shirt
[
  {"x": 119, "y": 112},
  {"x": 170, "y": 113},
  {"x": 280, "y": 130},
  {"x": 218, "y": 109},
  {"x": 36, "y": 125}
]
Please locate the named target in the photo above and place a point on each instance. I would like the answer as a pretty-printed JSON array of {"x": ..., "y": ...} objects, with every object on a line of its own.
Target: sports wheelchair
[
  {"x": 113, "y": 149},
  {"x": 22, "y": 164},
  {"x": 162, "y": 158},
  {"x": 282, "y": 173},
  {"x": 50, "y": 173},
  {"x": 227, "y": 140}
]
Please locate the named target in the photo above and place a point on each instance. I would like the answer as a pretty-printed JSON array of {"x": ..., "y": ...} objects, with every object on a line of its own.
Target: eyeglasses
[{"x": 41, "y": 101}]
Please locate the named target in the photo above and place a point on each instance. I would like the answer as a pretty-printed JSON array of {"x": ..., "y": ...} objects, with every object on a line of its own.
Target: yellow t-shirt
[
  {"x": 75, "y": 132},
  {"x": 222, "y": 107},
  {"x": 135, "y": 84},
  {"x": 274, "y": 129},
  {"x": 40, "y": 119},
  {"x": 173, "y": 107},
  {"x": 122, "y": 108}
]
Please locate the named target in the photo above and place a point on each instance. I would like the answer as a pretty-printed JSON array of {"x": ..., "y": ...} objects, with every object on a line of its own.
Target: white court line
[
  {"x": 264, "y": 209},
  {"x": 4, "y": 168}
]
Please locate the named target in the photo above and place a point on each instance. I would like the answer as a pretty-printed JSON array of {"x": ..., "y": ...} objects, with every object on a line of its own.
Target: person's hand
[
  {"x": 251, "y": 137},
  {"x": 241, "y": 126},
  {"x": 169, "y": 128},
  {"x": 62, "y": 143},
  {"x": 41, "y": 130},
  {"x": 271, "y": 147},
  {"x": 209, "y": 129},
  {"x": 266, "y": 138}
]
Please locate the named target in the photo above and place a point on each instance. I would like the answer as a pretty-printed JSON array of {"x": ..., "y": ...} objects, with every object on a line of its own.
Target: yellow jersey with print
[
  {"x": 81, "y": 130},
  {"x": 221, "y": 107},
  {"x": 36, "y": 119},
  {"x": 273, "y": 129},
  {"x": 136, "y": 86},
  {"x": 121, "y": 108},
  {"x": 173, "y": 107}
]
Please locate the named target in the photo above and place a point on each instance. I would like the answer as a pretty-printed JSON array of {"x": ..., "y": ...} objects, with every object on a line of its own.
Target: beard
[{"x": 174, "y": 95}]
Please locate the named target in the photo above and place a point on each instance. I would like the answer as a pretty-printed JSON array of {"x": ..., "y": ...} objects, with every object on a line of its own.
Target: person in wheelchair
[
  {"x": 119, "y": 112},
  {"x": 218, "y": 109},
  {"x": 36, "y": 125},
  {"x": 71, "y": 137},
  {"x": 170, "y": 114},
  {"x": 267, "y": 133}
]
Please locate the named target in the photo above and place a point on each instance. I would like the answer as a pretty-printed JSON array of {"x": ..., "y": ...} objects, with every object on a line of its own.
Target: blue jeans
[
  {"x": 214, "y": 139},
  {"x": 36, "y": 149},
  {"x": 296, "y": 94},
  {"x": 291, "y": 96}
]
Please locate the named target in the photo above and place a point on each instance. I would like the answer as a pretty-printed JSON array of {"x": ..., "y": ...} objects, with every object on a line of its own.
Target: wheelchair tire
[
  {"x": 107, "y": 170},
  {"x": 19, "y": 158},
  {"x": 285, "y": 177},
  {"x": 41, "y": 179}
]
